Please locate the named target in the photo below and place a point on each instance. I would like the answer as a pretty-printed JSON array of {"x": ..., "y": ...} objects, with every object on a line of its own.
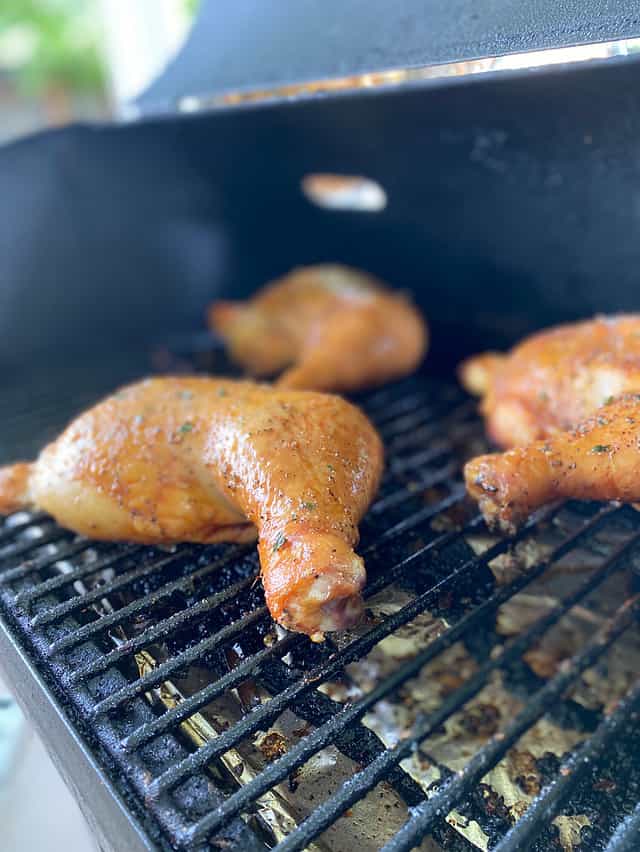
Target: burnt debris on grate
[{"x": 489, "y": 701}]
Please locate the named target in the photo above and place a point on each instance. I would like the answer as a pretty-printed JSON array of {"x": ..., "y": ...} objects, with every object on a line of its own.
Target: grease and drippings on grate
[{"x": 483, "y": 665}]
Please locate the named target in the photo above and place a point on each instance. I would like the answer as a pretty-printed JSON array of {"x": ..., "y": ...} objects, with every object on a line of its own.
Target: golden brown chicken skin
[
  {"x": 599, "y": 460},
  {"x": 556, "y": 378},
  {"x": 329, "y": 327},
  {"x": 203, "y": 460}
]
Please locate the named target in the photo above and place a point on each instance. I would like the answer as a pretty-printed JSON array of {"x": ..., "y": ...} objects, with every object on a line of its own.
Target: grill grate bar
[
  {"x": 367, "y": 779},
  {"x": 437, "y": 448},
  {"x": 324, "y": 734},
  {"x": 379, "y": 397},
  {"x": 82, "y": 601},
  {"x": 627, "y": 836},
  {"x": 162, "y": 629},
  {"x": 88, "y": 630},
  {"x": 54, "y": 583},
  {"x": 39, "y": 564},
  {"x": 238, "y": 674},
  {"x": 9, "y": 532},
  {"x": 424, "y": 815},
  {"x": 549, "y": 801},
  {"x": 23, "y": 548},
  {"x": 412, "y": 427},
  {"x": 454, "y": 535},
  {"x": 456, "y": 435},
  {"x": 402, "y": 405},
  {"x": 418, "y": 517},
  {"x": 184, "y": 658},
  {"x": 423, "y": 482}
]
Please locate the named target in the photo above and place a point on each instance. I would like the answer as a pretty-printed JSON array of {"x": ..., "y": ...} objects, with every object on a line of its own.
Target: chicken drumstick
[
  {"x": 599, "y": 460},
  {"x": 204, "y": 460}
]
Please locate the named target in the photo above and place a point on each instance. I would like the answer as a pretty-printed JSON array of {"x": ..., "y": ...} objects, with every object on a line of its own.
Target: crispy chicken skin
[
  {"x": 14, "y": 486},
  {"x": 476, "y": 374},
  {"x": 329, "y": 327},
  {"x": 203, "y": 460},
  {"x": 599, "y": 460},
  {"x": 556, "y": 378}
]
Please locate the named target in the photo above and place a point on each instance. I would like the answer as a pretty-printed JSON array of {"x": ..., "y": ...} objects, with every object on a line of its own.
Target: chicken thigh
[
  {"x": 599, "y": 460},
  {"x": 556, "y": 378},
  {"x": 203, "y": 460},
  {"x": 333, "y": 327}
]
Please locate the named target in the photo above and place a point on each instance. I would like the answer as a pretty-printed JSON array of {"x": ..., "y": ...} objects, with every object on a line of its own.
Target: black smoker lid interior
[
  {"x": 248, "y": 44},
  {"x": 512, "y": 197}
]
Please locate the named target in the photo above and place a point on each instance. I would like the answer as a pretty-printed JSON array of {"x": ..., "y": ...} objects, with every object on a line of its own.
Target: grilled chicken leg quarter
[
  {"x": 555, "y": 379},
  {"x": 599, "y": 460},
  {"x": 329, "y": 327},
  {"x": 203, "y": 460}
]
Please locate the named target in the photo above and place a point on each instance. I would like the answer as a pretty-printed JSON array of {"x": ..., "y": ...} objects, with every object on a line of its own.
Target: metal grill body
[{"x": 128, "y": 658}]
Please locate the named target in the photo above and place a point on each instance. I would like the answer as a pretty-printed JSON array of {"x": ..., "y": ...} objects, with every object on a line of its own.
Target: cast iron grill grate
[{"x": 145, "y": 651}]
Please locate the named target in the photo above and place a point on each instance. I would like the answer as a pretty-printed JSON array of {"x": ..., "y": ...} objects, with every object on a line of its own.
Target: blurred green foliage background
[
  {"x": 48, "y": 44},
  {"x": 55, "y": 43},
  {"x": 54, "y": 65}
]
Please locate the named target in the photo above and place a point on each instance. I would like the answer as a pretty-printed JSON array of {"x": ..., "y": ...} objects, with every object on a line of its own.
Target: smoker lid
[{"x": 239, "y": 45}]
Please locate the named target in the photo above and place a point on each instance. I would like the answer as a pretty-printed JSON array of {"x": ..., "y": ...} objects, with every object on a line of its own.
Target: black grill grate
[{"x": 135, "y": 642}]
